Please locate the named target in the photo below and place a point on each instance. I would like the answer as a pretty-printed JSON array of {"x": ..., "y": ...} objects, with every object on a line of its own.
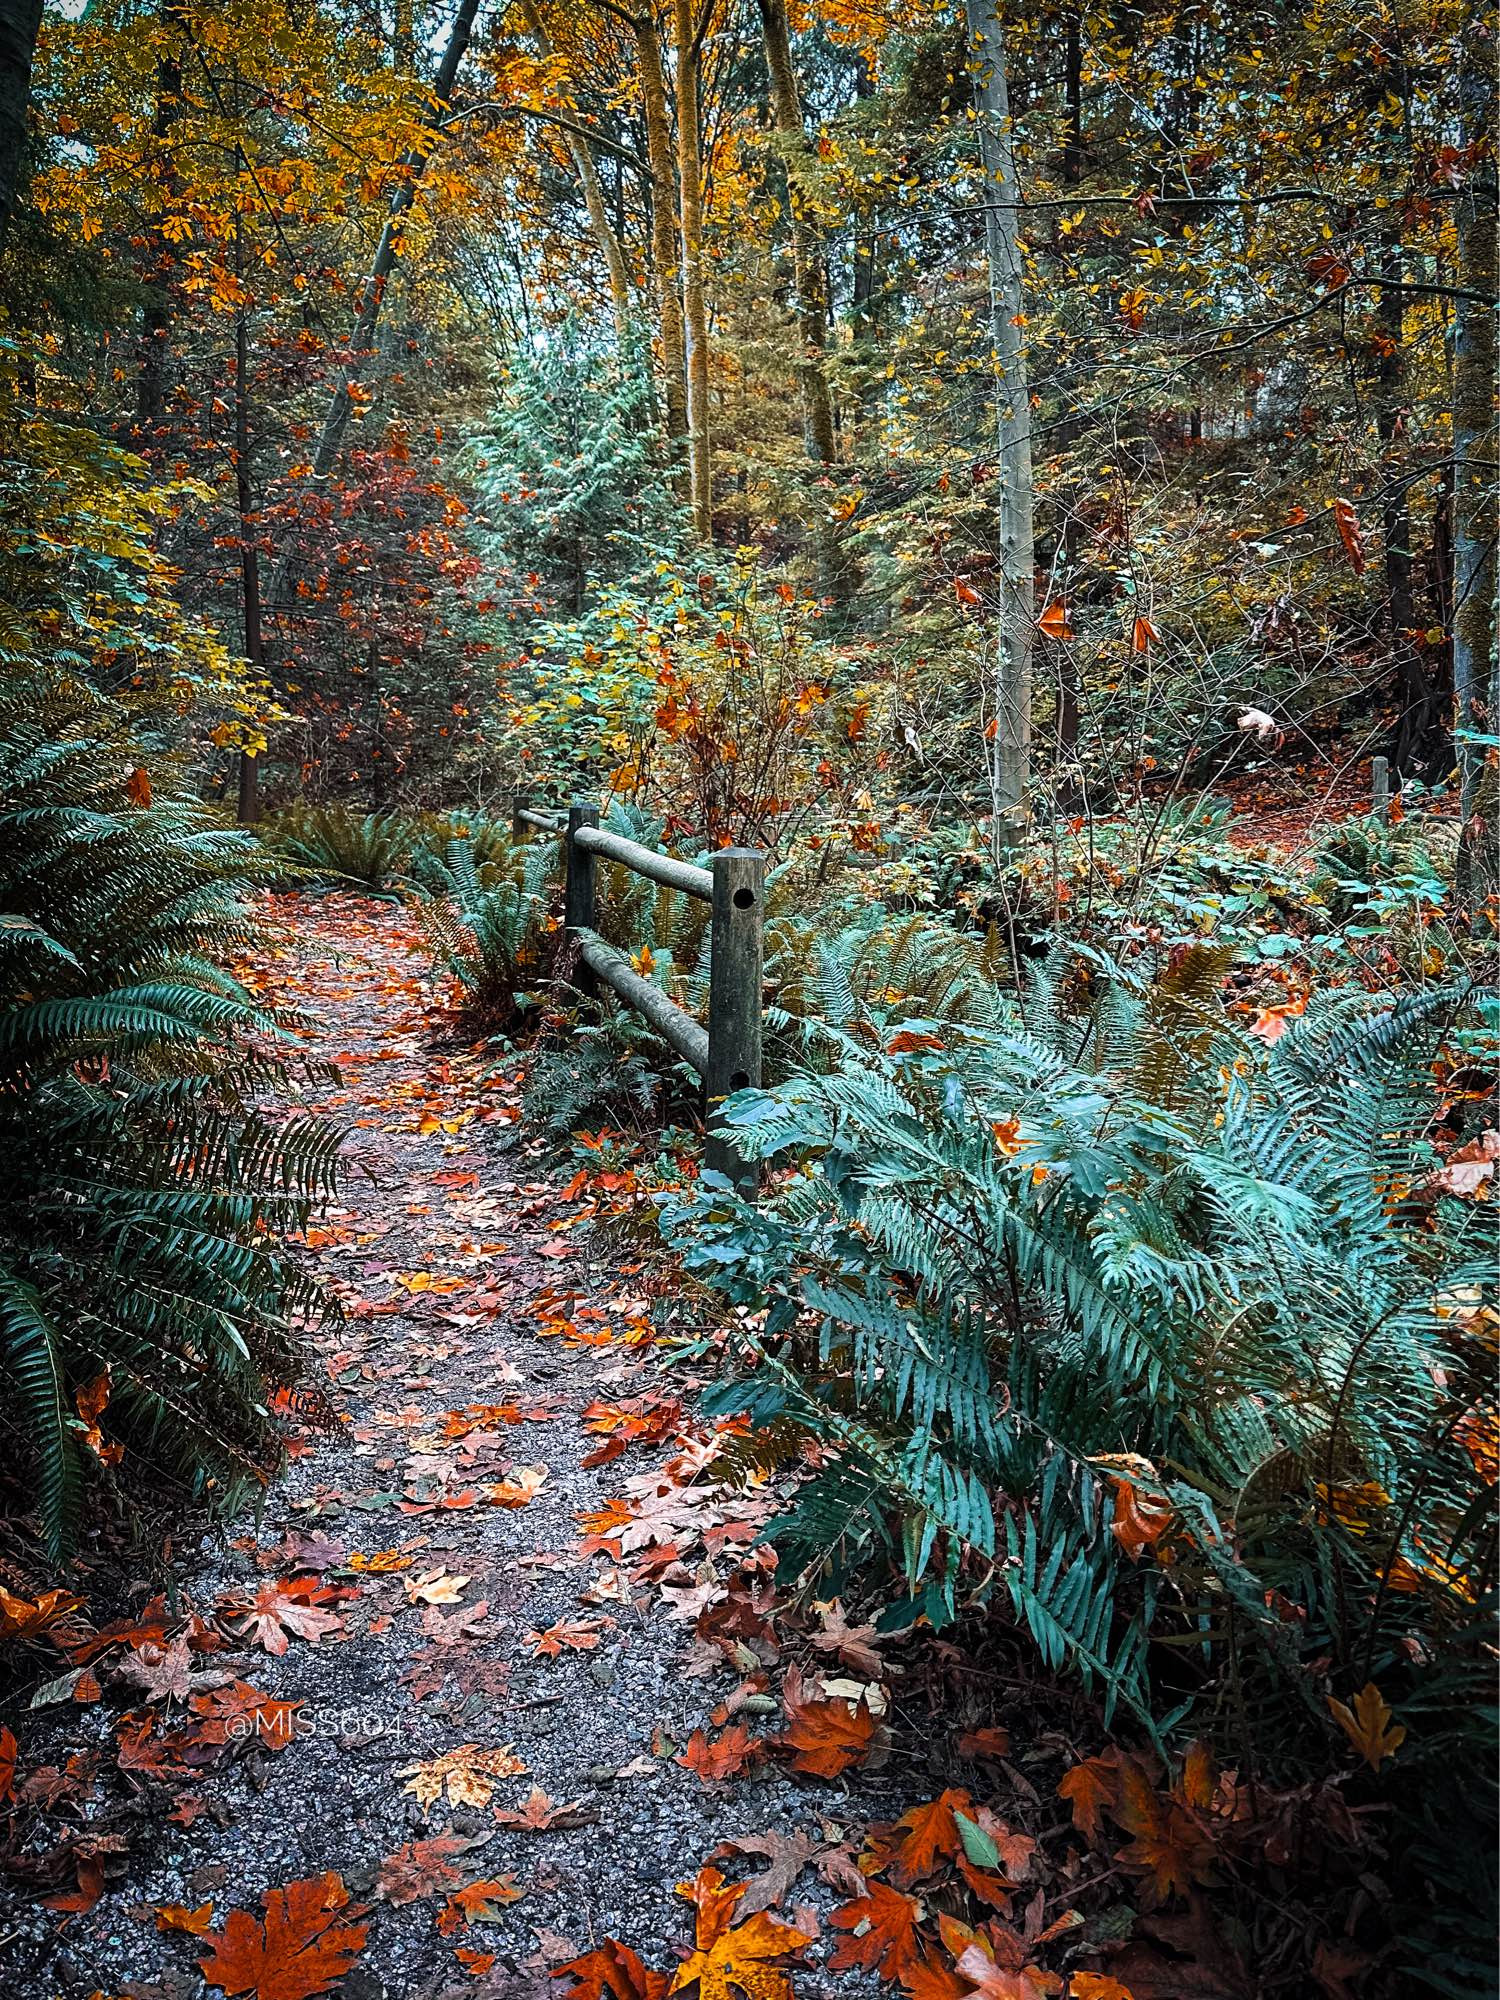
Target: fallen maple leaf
[
  {"x": 479, "y": 1903},
  {"x": 579, "y": 1635},
  {"x": 1091, "y": 1788},
  {"x": 9, "y": 1750},
  {"x": 883, "y": 1938},
  {"x": 421, "y": 1868},
  {"x": 855, "y": 1645},
  {"x": 22, "y": 1618},
  {"x": 468, "y": 1773},
  {"x": 984, "y": 1744},
  {"x": 242, "y": 1714},
  {"x": 824, "y": 1737},
  {"x": 712, "y": 1759},
  {"x": 1169, "y": 1847},
  {"x": 519, "y": 1488},
  {"x": 1467, "y": 1167},
  {"x": 438, "y": 1587},
  {"x": 615, "y": 1969},
  {"x": 541, "y": 1815},
  {"x": 162, "y": 1673},
  {"x": 297, "y": 1607},
  {"x": 1367, "y": 1724},
  {"x": 924, "y": 1838},
  {"x": 988, "y": 1980},
  {"x": 300, "y": 1947},
  {"x": 478, "y": 1964},
  {"x": 787, "y": 1853},
  {"x": 190, "y": 1923},
  {"x": 730, "y": 1956}
]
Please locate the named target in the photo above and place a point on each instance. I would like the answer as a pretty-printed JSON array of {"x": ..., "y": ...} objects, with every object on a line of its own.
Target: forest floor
[{"x": 475, "y": 1650}]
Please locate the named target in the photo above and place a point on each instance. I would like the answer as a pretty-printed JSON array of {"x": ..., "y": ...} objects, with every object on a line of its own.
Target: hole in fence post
[{"x": 744, "y": 899}]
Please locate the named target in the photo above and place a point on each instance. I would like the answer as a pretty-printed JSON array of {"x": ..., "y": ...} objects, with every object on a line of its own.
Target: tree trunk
[
  {"x": 1010, "y": 764},
  {"x": 255, "y": 652},
  {"x": 1475, "y": 446},
  {"x": 156, "y": 315},
  {"x": 664, "y": 240},
  {"x": 20, "y": 24},
  {"x": 694, "y": 309},
  {"x": 812, "y": 296},
  {"x": 593, "y": 196},
  {"x": 372, "y": 293},
  {"x": 1415, "y": 696}
]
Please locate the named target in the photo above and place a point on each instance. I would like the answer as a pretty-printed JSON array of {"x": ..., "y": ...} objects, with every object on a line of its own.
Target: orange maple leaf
[
  {"x": 478, "y": 1903},
  {"x": 612, "y": 1968},
  {"x": 927, "y": 1836},
  {"x": 303, "y": 1945},
  {"x": 579, "y": 1635},
  {"x": 240, "y": 1713},
  {"x": 297, "y": 1606},
  {"x": 883, "y": 1934},
  {"x": 190, "y": 1923},
  {"x": 718, "y": 1757},
  {"x": 732, "y": 1957},
  {"x": 1092, "y": 1788},
  {"x": 1169, "y": 1848},
  {"x": 824, "y": 1737}
]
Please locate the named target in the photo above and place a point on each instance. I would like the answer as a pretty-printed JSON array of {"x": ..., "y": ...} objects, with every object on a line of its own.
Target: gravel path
[{"x": 461, "y": 1277}]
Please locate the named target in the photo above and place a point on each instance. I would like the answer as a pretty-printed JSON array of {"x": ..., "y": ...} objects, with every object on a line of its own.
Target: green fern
[{"x": 143, "y": 1194}]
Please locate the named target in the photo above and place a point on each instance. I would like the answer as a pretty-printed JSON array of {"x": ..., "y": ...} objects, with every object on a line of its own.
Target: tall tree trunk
[
  {"x": 255, "y": 652},
  {"x": 1476, "y": 442},
  {"x": 807, "y": 264},
  {"x": 694, "y": 308},
  {"x": 665, "y": 258},
  {"x": 1415, "y": 696},
  {"x": 372, "y": 292},
  {"x": 156, "y": 315},
  {"x": 1010, "y": 764},
  {"x": 20, "y": 24},
  {"x": 811, "y": 282},
  {"x": 593, "y": 196}
]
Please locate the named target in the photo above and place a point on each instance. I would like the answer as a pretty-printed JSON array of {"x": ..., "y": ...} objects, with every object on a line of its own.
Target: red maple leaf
[{"x": 302, "y": 1945}]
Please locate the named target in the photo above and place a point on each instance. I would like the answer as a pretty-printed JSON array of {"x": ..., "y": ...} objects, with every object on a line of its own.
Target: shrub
[
  {"x": 142, "y": 1193},
  {"x": 1174, "y": 1342}
]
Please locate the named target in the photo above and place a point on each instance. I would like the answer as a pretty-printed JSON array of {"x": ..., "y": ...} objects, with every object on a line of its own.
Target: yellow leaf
[{"x": 1367, "y": 1724}]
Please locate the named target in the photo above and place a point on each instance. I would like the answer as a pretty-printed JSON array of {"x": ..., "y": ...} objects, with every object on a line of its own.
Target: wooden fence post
[
  {"x": 579, "y": 893},
  {"x": 734, "y": 996},
  {"x": 520, "y": 832},
  {"x": 1380, "y": 786}
]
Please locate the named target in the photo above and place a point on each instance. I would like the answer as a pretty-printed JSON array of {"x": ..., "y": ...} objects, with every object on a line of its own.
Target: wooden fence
[{"x": 726, "y": 1052}]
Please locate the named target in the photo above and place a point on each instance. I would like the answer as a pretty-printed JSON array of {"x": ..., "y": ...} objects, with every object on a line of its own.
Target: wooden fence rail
[{"x": 727, "y": 1052}]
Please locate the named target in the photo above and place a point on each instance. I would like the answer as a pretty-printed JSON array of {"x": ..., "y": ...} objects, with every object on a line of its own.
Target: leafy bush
[
  {"x": 1175, "y": 1342},
  {"x": 142, "y": 1192}
]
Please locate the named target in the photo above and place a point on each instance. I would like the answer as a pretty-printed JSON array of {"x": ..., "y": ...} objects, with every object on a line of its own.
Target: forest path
[{"x": 424, "y": 1536}]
